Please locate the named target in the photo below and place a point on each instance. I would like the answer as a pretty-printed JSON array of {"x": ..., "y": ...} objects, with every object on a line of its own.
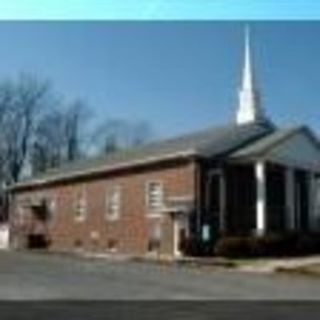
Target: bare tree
[
  {"x": 74, "y": 129},
  {"x": 140, "y": 133},
  {"x": 58, "y": 137},
  {"x": 21, "y": 104},
  {"x": 116, "y": 134},
  {"x": 40, "y": 131},
  {"x": 48, "y": 143},
  {"x": 6, "y": 103}
]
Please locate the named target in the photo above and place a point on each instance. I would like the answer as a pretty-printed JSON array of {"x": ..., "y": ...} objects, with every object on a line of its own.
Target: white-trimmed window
[
  {"x": 21, "y": 213},
  {"x": 81, "y": 204},
  {"x": 155, "y": 197},
  {"x": 113, "y": 203},
  {"x": 23, "y": 206},
  {"x": 52, "y": 207}
]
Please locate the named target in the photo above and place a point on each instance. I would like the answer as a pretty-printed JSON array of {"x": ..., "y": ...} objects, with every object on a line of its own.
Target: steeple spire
[
  {"x": 249, "y": 109},
  {"x": 247, "y": 80}
]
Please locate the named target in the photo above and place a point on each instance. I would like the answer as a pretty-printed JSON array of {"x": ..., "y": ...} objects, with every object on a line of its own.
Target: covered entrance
[
  {"x": 31, "y": 224},
  {"x": 272, "y": 198},
  {"x": 281, "y": 176},
  {"x": 180, "y": 232},
  {"x": 37, "y": 237},
  {"x": 179, "y": 209}
]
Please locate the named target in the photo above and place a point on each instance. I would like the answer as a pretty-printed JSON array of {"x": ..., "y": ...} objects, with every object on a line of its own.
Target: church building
[{"x": 246, "y": 177}]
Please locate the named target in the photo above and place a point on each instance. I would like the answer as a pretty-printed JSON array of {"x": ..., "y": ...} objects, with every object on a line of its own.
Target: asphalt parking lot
[{"x": 34, "y": 276}]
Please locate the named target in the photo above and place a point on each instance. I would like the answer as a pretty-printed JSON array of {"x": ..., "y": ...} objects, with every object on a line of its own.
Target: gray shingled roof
[
  {"x": 263, "y": 145},
  {"x": 207, "y": 143}
]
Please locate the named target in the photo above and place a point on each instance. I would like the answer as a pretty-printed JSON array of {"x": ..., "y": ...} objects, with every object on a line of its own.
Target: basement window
[
  {"x": 112, "y": 245},
  {"x": 78, "y": 243}
]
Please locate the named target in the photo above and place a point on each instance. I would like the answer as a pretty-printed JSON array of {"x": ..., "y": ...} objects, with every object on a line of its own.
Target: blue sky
[{"x": 179, "y": 76}]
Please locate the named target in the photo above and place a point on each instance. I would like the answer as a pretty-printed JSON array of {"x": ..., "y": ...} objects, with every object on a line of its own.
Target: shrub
[
  {"x": 233, "y": 247},
  {"x": 196, "y": 247},
  {"x": 275, "y": 245},
  {"x": 308, "y": 244}
]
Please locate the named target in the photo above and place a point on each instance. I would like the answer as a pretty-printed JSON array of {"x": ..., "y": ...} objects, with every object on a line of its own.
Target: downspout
[{"x": 198, "y": 198}]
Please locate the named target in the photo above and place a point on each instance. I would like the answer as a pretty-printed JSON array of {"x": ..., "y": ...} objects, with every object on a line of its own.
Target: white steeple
[{"x": 249, "y": 109}]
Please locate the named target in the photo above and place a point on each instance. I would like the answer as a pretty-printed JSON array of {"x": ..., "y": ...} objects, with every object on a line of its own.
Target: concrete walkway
[
  {"x": 264, "y": 265},
  {"x": 273, "y": 265}
]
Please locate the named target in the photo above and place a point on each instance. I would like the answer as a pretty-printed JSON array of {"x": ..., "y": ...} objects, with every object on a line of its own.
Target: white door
[
  {"x": 180, "y": 231},
  {"x": 4, "y": 237}
]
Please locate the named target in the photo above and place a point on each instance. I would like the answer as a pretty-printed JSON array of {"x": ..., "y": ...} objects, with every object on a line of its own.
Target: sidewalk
[
  {"x": 264, "y": 265},
  {"x": 279, "y": 264},
  {"x": 301, "y": 265},
  {"x": 164, "y": 259}
]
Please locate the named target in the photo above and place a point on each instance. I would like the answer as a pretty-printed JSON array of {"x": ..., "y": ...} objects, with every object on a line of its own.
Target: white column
[
  {"x": 176, "y": 232},
  {"x": 290, "y": 209},
  {"x": 261, "y": 203}
]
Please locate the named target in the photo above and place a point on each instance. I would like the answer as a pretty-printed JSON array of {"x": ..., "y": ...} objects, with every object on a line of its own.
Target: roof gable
[{"x": 296, "y": 147}]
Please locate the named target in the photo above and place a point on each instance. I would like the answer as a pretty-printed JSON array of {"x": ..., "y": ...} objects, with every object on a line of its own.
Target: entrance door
[{"x": 180, "y": 233}]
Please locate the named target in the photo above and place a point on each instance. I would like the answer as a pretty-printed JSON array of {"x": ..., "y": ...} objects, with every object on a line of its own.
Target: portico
[
  {"x": 284, "y": 167},
  {"x": 263, "y": 197}
]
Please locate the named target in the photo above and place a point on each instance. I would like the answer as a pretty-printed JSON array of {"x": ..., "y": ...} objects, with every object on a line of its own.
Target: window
[
  {"x": 113, "y": 203},
  {"x": 81, "y": 205},
  {"x": 23, "y": 208},
  {"x": 20, "y": 213},
  {"x": 154, "y": 197},
  {"x": 51, "y": 207}
]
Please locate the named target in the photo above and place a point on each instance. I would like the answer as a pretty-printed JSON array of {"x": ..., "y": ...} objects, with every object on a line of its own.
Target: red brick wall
[{"x": 131, "y": 230}]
